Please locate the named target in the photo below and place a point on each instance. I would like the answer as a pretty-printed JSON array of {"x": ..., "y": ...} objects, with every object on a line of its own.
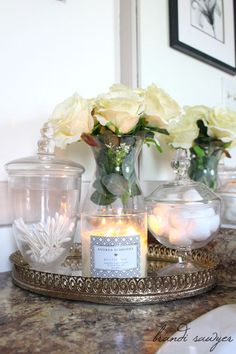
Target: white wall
[
  {"x": 49, "y": 49},
  {"x": 186, "y": 79}
]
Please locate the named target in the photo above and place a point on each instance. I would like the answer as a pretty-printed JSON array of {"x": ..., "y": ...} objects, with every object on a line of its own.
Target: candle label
[{"x": 115, "y": 257}]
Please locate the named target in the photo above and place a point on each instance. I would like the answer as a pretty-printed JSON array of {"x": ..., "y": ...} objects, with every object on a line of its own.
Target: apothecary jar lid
[
  {"x": 183, "y": 192},
  {"x": 45, "y": 162}
]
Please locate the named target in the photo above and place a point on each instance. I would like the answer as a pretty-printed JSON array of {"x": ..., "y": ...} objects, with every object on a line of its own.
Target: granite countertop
[{"x": 31, "y": 323}]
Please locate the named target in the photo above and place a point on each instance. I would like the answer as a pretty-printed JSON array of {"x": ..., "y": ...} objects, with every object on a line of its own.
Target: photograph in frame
[{"x": 205, "y": 30}]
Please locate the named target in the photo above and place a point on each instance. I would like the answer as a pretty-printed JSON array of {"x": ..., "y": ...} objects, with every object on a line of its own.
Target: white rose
[
  {"x": 119, "y": 109},
  {"x": 70, "y": 119},
  {"x": 222, "y": 124},
  {"x": 199, "y": 112},
  {"x": 159, "y": 107},
  {"x": 184, "y": 130}
]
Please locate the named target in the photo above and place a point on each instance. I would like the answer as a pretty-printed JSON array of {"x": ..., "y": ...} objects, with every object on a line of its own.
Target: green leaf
[
  {"x": 128, "y": 140},
  {"x": 227, "y": 145},
  {"x": 99, "y": 187},
  {"x": 102, "y": 199},
  {"x": 157, "y": 130},
  {"x": 115, "y": 184},
  {"x": 135, "y": 190},
  {"x": 149, "y": 141},
  {"x": 198, "y": 151},
  {"x": 133, "y": 187},
  {"x": 125, "y": 199},
  {"x": 96, "y": 129},
  {"x": 105, "y": 162},
  {"x": 140, "y": 126},
  {"x": 128, "y": 164}
]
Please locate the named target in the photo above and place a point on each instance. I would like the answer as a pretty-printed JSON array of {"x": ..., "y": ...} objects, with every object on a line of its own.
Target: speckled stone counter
[{"x": 31, "y": 323}]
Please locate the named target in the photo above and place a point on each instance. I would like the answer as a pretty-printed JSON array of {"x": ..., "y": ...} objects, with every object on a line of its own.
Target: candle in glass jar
[{"x": 114, "y": 246}]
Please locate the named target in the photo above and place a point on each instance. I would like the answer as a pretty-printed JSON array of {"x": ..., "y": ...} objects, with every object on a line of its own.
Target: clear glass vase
[
  {"x": 204, "y": 166},
  {"x": 113, "y": 218}
]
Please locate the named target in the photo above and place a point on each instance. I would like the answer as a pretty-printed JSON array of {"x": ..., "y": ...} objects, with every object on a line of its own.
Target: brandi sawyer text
[{"x": 184, "y": 334}]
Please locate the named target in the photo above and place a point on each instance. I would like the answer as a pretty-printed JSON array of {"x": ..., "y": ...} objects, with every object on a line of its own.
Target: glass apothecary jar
[
  {"x": 46, "y": 195},
  {"x": 183, "y": 214}
]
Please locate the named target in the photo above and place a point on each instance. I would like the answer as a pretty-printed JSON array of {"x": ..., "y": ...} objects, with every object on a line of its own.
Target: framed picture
[{"x": 205, "y": 29}]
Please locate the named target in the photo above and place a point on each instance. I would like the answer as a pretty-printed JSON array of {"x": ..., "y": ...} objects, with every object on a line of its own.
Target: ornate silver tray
[{"x": 68, "y": 283}]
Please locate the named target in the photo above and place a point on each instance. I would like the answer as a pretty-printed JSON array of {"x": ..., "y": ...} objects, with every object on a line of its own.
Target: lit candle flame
[{"x": 64, "y": 208}]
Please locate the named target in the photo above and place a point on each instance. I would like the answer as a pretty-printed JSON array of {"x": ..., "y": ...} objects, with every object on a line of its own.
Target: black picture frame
[{"x": 180, "y": 45}]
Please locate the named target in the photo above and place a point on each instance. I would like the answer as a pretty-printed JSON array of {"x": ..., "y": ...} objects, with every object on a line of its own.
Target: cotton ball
[
  {"x": 199, "y": 229},
  {"x": 178, "y": 237},
  {"x": 214, "y": 223},
  {"x": 179, "y": 218},
  {"x": 153, "y": 224},
  {"x": 203, "y": 223},
  {"x": 209, "y": 211},
  {"x": 200, "y": 211},
  {"x": 160, "y": 221},
  {"x": 192, "y": 196},
  {"x": 161, "y": 209},
  {"x": 157, "y": 224}
]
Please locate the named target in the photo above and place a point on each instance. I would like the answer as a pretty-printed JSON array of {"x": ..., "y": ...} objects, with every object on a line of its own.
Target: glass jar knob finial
[
  {"x": 180, "y": 165},
  {"x": 46, "y": 143}
]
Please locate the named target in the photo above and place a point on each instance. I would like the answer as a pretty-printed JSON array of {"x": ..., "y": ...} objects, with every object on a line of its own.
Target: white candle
[{"x": 114, "y": 246}]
